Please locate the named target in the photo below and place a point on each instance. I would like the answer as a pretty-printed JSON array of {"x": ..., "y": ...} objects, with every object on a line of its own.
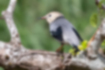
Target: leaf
[
  {"x": 103, "y": 43},
  {"x": 1, "y": 68},
  {"x": 94, "y": 20},
  {"x": 83, "y": 45},
  {"x": 72, "y": 51}
]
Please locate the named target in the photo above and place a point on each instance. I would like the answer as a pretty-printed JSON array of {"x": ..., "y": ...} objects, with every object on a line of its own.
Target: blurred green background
[{"x": 34, "y": 33}]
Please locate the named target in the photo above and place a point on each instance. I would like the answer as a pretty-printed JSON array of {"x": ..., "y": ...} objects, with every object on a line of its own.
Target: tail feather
[{"x": 76, "y": 48}]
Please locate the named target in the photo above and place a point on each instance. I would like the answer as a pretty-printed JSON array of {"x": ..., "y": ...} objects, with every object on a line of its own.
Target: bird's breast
[{"x": 65, "y": 39}]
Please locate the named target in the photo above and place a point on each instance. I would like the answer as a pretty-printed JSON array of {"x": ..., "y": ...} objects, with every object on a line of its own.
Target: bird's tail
[
  {"x": 79, "y": 48},
  {"x": 76, "y": 49}
]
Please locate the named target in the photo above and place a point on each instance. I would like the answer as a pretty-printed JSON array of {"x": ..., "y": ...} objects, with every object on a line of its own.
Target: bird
[{"x": 62, "y": 30}]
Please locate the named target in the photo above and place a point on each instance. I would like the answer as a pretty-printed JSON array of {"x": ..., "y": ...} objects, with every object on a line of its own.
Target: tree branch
[
  {"x": 13, "y": 55},
  {"x": 7, "y": 14},
  {"x": 98, "y": 37}
]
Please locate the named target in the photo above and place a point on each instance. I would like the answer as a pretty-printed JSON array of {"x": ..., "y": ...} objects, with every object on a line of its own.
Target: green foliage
[
  {"x": 94, "y": 19},
  {"x": 103, "y": 44},
  {"x": 83, "y": 45},
  {"x": 35, "y": 33},
  {"x": 72, "y": 52},
  {"x": 1, "y": 68}
]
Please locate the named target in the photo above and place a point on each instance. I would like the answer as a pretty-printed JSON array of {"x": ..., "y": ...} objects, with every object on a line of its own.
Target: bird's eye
[{"x": 50, "y": 15}]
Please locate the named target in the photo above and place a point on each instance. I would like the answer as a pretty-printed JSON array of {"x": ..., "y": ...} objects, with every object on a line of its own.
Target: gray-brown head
[{"x": 50, "y": 17}]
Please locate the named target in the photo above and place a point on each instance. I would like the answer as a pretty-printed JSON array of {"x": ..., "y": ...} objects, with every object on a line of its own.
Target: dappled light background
[{"x": 34, "y": 33}]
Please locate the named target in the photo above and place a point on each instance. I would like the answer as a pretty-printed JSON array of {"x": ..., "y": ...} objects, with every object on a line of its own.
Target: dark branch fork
[
  {"x": 13, "y": 55},
  {"x": 98, "y": 2}
]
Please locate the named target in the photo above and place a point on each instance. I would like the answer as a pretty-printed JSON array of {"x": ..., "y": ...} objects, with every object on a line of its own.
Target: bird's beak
[{"x": 43, "y": 18}]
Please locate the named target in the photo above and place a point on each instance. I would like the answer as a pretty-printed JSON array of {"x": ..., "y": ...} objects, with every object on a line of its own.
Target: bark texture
[{"x": 13, "y": 55}]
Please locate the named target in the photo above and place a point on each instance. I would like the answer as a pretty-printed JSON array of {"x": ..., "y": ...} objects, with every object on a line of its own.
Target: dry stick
[
  {"x": 8, "y": 16},
  {"x": 102, "y": 51},
  {"x": 103, "y": 7},
  {"x": 91, "y": 50}
]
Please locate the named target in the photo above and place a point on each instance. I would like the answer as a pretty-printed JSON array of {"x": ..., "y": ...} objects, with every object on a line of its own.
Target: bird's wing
[
  {"x": 70, "y": 35},
  {"x": 56, "y": 32},
  {"x": 63, "y": 30},
  {"x": 77, "y": 34}
]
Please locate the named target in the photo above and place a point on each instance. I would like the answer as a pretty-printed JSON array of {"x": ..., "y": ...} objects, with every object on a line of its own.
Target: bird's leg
[{"x": 60, "y": 49}]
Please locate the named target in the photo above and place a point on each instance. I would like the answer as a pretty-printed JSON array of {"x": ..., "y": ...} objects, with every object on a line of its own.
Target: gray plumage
[
  {"x": 68, "y": 34},
  {"x": 62, "y": 29}
]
